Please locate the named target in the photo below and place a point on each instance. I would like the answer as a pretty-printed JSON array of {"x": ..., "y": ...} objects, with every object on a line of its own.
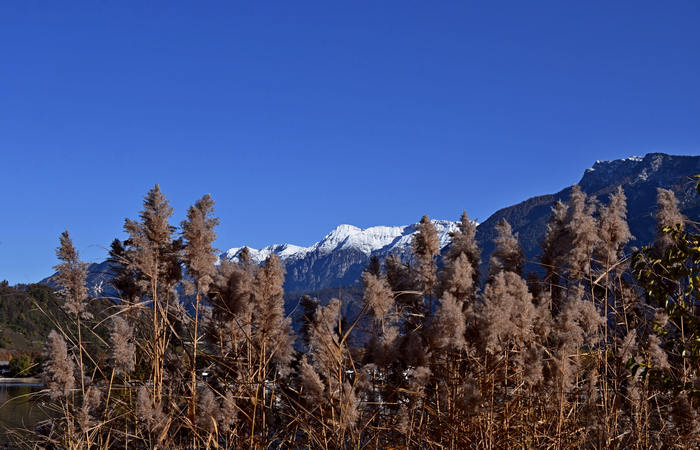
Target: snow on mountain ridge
[
  {"x": 349, "y": 237},
  {"x": 635, "y": 169},
  {"x": 284, "y": 251},
  {"x": 365, "y": 240},
  {"x": 610, "y": 165}
]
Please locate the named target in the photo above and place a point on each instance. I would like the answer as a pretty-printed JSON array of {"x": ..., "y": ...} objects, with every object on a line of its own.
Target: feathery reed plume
[
  {"x": 614, "y": 232},
  {"x": 464, "y": 243},
  {"x": 449, "y": 324},
  {"x": 85, "y": 415},
  {"x": 459, "y": 279},
  {"x": 378, "y": 295},
  {"x": 507, "y": 314},
  {"x": 582, "y": 231},
  {"x": 198, "y": 254},
  {"x": 208, "y": 411},
  {"x": 199, "y": 257},
  {"x": 154, "y": 257},
  {"x": 148, "y": 411},
  {"x": 667, "y": 215},
  {"x": 426, "y": 248},
  {"x": 577, "y": 325},
  {"x": 229, "y": 413},
  {"x": 686, "y": 420},
  {"x": 659, "y": 359},
  {"x": 122, "y": 348},
  {"x": 70, "y": 276},
  {"x": 349, "y": 410},
  {"x": 554, "y": 248},
  {"x": 273, "y": 328},
  {"x": 508, "y": 254},
  {"x": 311, "y": 383},
  {"x": 59, "y": 368}
]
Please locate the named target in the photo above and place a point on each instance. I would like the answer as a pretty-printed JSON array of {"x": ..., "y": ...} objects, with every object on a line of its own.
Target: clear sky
[{"x": 298, "y": 116}]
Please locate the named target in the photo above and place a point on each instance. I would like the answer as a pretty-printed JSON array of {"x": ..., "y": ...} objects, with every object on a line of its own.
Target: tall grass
[{"x": 579, "y": 358}]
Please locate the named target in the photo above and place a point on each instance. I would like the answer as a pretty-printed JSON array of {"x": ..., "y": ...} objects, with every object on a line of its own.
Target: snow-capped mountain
[{"x": 339, "y": 258}]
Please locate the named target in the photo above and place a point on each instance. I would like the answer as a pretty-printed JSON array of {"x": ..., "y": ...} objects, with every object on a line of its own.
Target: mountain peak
[
  {"x": 341, "y": 232},
  {"x": 631, "y": 170},
  {"x": 606, "y": 164},
  {"x": 365, "y": 240}
]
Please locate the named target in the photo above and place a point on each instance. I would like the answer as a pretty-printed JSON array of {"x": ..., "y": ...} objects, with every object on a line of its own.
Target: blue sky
[{"x": 299, "y": 116}]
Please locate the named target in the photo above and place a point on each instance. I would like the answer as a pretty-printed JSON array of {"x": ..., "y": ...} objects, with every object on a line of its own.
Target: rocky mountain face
[
  {"x": 639, "y": 178},
  {"x": 338, "y": 259}
]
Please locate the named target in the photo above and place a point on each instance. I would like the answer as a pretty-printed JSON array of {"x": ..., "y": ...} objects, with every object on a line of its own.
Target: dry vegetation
[{"x": 600, "y": 351}]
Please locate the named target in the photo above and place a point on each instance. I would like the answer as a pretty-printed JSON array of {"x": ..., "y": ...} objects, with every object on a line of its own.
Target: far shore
[{"x": 25, "y": 380}]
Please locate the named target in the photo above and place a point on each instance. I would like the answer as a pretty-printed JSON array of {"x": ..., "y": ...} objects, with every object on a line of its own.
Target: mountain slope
[
  {"x": 27, "y": 313},
  {"x": 639, "y": 178}
]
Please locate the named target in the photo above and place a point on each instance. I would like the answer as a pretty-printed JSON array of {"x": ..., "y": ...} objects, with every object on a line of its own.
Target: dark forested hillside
[
  {"x": 22, "y": 325},
  {"x": 27, "y": 313}
]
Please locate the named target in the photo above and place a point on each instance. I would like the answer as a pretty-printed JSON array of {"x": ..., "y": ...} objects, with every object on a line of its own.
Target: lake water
[{"x": 18, "y": 408}]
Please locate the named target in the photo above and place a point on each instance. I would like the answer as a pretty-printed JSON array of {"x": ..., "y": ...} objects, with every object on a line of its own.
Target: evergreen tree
[
  {"x": 374, "y": 267},
  {"x": 124, "y": 280},
  {"x": 309, "y": 306}
]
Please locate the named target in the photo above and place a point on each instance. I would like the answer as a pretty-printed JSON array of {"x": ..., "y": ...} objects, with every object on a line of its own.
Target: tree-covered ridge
[
  {"x": 22, "y": 324},
  {"x": 598, "y": 351},
  {"x": 28, "y": 312}
]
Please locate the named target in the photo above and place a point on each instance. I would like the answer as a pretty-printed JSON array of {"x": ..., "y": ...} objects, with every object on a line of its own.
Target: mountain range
[{"x": 338, "y": 259}]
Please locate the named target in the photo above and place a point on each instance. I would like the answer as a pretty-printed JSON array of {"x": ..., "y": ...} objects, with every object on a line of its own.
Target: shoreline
[{"x": 25, "y": 381}]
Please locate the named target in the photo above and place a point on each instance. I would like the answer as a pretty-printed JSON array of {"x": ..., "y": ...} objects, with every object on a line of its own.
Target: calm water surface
[{"x": 18, "y": 408}]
